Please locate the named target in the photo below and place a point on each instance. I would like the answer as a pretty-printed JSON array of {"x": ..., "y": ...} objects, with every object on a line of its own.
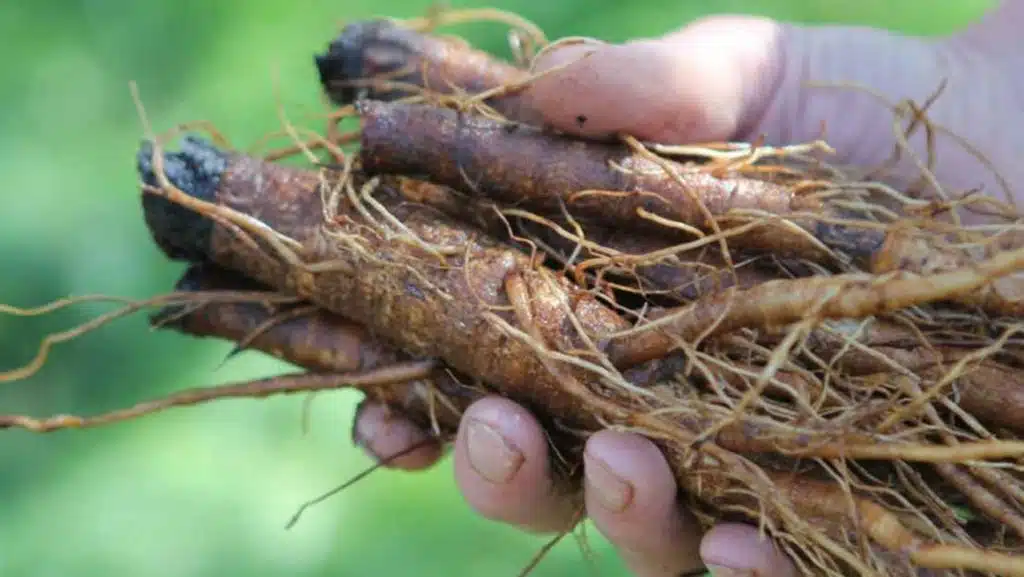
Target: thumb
[
  {"x": 738, "y": 78},
  {"x": 702, "y": 83}
]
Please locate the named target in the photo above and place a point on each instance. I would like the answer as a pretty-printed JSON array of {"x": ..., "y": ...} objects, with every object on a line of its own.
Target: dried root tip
[
  {"x": 196, "y": 169},
  {"x": 384, "y": 60},
  {"x": 196, "y": 194}
]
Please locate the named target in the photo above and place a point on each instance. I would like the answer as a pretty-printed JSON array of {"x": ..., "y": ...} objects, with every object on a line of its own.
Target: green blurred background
[{"x": 207, "y": 491}]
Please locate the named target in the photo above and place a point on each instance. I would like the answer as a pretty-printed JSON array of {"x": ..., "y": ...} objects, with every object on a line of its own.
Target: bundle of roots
[{"x": 816, "y": 353}]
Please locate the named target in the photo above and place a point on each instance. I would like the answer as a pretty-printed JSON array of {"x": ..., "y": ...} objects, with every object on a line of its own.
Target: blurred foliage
[{"x": 207, "y": 491}]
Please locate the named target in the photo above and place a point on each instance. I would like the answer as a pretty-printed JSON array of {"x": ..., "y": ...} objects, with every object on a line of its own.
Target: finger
[
  {"x": 631, "y": 496},
  {"x": 847, "y": 81},
  {"x": 383, "y": 433},
  {"x": 733, "y": 549},
  {"x": 703, "y": 83},
  {"x": 502, "y": 468}
]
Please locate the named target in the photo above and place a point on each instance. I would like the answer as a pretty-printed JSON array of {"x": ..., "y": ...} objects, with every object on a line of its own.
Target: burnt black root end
[
  {"x": 205, "y": 276},
  {"x": 196, "y": 170},
  {"x": 362, "y": 50}
]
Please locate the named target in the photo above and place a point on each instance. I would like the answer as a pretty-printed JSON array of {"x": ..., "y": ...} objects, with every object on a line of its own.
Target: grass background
[{"x": 207, "y": 491}]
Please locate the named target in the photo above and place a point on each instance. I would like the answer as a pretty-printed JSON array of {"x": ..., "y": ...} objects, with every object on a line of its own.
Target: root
[
  {"x": 622, "y": 187},
  {"x": 886, "y": 529},
  {"x": 874, "y": 246},
  {"x": 286, "y": 384},
  {"x": 51, "y": 340},
  {"x": 782, "y": 302},
  {"x": 986, "y": 501},
  {"x": 366, "y": 473},
  {"x": 825, "y": 356}
]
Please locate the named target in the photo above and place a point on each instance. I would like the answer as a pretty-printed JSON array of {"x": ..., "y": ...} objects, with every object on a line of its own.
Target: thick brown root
[
  {"x": 446, "y": 291},
  {"x": 813, "y": 354},
  {"x": 610, "y": 183},
  {"x": 367, "y": 53},
  {"x": 297, "y": 383},
  {"x": 321, "y": 342},
  {"x": 780, "y": 303}
]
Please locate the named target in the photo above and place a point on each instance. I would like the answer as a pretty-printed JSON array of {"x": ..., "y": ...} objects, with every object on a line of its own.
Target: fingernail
[
  {"x": 490, "y": 455},
  {"x": 722, "y": 571},
  {"x": 610, "y": 490},
  {"x": 361, "y": 437}
]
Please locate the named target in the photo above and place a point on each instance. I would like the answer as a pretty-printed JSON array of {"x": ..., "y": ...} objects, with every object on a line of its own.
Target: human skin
[{"x": 729, "y": 78}]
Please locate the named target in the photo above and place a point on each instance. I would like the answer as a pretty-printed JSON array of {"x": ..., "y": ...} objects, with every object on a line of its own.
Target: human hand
[
  {"x": 501, "y": 466},
  {"x": 738, "y": 78},
  {"x": 726, "y": 78}
]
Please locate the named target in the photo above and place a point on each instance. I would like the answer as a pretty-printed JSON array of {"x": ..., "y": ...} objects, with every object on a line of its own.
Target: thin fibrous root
[
  {"x": 284, "y": 384},
  {"x": 131, "y": 307},
  {"x": 886, "y": 529},
  {"x": 782, "y": 302}
]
